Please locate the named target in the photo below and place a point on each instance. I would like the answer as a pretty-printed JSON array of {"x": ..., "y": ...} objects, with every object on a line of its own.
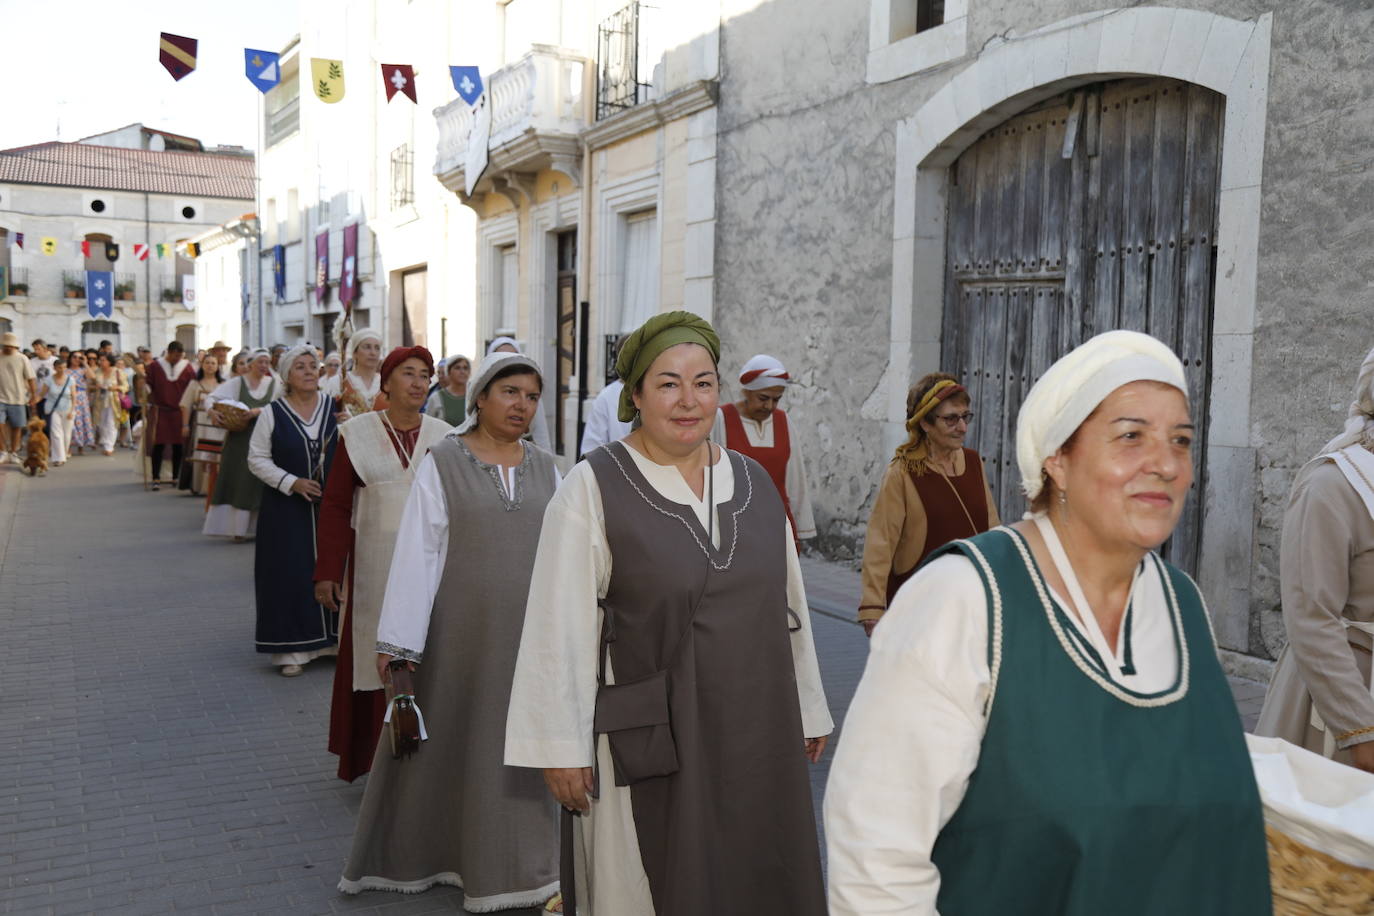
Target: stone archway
[{"x": 1227, "y": 56}]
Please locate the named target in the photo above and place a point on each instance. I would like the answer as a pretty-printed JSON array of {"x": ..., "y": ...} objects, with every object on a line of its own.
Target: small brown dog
[{"x": 37, "y": 459}]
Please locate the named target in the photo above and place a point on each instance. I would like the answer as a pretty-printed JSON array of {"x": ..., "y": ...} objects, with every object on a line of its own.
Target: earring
[{"x": 1063, "y": 501}]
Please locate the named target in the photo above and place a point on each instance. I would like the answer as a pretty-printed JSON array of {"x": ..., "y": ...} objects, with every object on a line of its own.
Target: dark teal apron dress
[{"x": 1090, "y": 799}]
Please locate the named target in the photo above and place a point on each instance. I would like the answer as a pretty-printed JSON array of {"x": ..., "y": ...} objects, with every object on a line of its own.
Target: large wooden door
[{"x": 1091, "y": 212}]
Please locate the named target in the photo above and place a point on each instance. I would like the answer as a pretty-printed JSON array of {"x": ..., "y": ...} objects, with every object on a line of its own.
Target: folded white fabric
[{"x": 1318, "y": 802}]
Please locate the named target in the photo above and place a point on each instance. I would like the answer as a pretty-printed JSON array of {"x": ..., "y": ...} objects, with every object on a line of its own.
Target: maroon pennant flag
[
  {"x": 348, "y": 277},
  {"x": 177, "y": 54},
  {"x": 399, "y": 78}
]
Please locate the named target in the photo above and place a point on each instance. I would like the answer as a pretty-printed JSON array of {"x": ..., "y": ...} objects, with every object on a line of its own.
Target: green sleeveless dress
[{"x": 1088, "y": 798}]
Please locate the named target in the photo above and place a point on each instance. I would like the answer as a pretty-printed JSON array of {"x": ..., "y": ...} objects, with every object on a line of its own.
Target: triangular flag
[
  {"x": 19, "y": 239},
  {"x": 140, "y": 251},
  {"x": 177, "y": 54},
  {"x": 399, "y": 78},
  {"x": 327, "y": 77},
  {"x": 262, "y": 68},
  {"x": 160, "y": 248},
  {"x": 468, "y": 82},
  {"x": 49, "y": 245}
]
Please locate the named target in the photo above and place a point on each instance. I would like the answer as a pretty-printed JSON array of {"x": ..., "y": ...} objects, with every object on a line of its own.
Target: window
[
  {"x": 623, "y": 65},
  {"x": 914, "y": 16},
  {"x": 402, "y": 176},
  {"x": 639, "y": 270},
  {"x": 282, "y": 105},
  {"x": 909, "y": 36},
  {"x": 509, "y": 317},
  {"x": 93, "y": 332}
]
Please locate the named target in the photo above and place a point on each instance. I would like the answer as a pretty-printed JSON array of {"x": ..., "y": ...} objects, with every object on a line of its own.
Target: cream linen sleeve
[
  {"x": 260, "y": 454},
  {"x": 797, "y": 493},
  {"x": 910, "y": 742},
  {"x": 553, "y": 696},
  {"x": 417, "y": 567},
  {"x": 1315, "y": 585},
  {"x": 815, "y": 711}
]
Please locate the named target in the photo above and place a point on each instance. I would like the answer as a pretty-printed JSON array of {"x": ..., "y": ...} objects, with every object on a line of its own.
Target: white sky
[{"x": 92, "y": 67}]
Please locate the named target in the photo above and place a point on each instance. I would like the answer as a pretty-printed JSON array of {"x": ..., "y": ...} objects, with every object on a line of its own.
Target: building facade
[
  {"x": 127, "y": 195},
  {"x": 594, "y": 183},
  {"x": 977, "y": 186},
  {"x": 363, "y": 162}
]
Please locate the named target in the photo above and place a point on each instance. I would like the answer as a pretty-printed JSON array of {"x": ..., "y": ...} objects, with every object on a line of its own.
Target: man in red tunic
[
  {"x": 757, "y": 427},
  {"x": 168, "y": 378}
]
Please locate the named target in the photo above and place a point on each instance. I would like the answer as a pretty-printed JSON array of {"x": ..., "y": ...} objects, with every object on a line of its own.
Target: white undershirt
[
  {"x": 759, "y": 434},
  {"x": 260, "y": 445},
  {"x": 915, "y": 727}
]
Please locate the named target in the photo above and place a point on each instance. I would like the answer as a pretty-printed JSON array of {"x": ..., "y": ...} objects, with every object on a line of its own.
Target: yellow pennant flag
[
  {"x": 328, "y": 79},
  {"x": 49, "y": 245}
]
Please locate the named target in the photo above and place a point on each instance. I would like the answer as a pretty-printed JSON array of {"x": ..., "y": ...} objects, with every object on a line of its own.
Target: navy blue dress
[{"x": 289, "y": 617}]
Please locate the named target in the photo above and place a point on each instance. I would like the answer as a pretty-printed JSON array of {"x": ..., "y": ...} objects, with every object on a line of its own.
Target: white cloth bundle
[{"x": 1320, "y": 803}]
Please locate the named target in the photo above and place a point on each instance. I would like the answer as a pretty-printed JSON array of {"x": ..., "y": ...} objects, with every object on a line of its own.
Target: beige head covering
[
  {"x": 1071, "y": 389},
  {"x": 486, "y": 372},
  {"x": 288, "y": 359},
  {"x": 360, "y": 336},
  {"x": 1359, "y": 423}
]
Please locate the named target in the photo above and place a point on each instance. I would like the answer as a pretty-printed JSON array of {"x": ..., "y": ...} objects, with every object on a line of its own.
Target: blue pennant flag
[
  {"x": 100, "y": 293},
  {"x": 263, "y": 68},
  {"x": 468, "y": 82},
  {"x": 279, "y": 271}
]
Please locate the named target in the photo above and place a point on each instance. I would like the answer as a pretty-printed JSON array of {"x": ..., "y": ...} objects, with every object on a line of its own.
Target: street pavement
[{"x": 156, "y": 763}]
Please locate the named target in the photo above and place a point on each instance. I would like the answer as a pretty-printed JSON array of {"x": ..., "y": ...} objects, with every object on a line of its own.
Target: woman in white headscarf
[
  {"x": 1320, "y": 697},
  {"x": 1043, "y": 724},
  {"x": 360, "y": 388},
  {"x": 539, "y": 427},
  {"x": 291, "y": 452}
]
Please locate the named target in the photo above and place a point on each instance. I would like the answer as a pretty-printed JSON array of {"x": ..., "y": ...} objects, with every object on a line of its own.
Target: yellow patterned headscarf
[{"x": 916, "y": 450}]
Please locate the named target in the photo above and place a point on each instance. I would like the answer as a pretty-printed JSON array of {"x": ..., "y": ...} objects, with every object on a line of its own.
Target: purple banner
[
  {"x": 322, "y": 267},
  {"x": 348, "y": 278}
]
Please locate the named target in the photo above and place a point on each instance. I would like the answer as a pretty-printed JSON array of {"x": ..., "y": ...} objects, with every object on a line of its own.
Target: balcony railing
[
  {"x": 283, "y": 122},
  {"x": 622, "y": 64},
  {"x": 18, "y": 281},
  {"x": 170, "y": 288},
  {"x": 74, "y": 285},
  {"x": 536, "y": 114}
]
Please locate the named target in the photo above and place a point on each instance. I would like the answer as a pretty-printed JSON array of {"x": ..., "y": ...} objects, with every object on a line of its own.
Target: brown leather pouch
[
  {"x": 404, "y": 725},
  {"x": 635, "y": 720}
]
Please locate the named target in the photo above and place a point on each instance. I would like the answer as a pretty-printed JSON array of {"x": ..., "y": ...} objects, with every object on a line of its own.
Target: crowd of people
[{"x": 601, "y": 690}]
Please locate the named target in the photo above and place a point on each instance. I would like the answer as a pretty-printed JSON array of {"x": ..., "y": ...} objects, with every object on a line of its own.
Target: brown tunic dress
[{"x": 732, "y": 830}]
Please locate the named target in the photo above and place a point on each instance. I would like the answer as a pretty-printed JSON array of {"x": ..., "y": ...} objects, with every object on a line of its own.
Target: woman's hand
[
  {"x": 571, "y": 786},
  {"x": 868, "y": 626},
  {"x": 815, "y": 747},
  {"x": 303, "y": 486},
  {"x": 185, "y": 430},
  {"x": 328, "y": 593},
  {"x": 1364, "y": 756},
  {"x": 215, "y": 416},
  {"x": 382, "y": 661},
  {"x": 255, "y": 411}
]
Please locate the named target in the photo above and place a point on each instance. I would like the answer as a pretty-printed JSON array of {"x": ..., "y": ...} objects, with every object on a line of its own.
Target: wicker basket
[
  {"x": 234, "y": 419},
  {"x": 1308, "y": 882}
]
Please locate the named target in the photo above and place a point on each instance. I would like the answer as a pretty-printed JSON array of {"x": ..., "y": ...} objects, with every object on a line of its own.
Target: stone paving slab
[{"x": 153, "y": 761}]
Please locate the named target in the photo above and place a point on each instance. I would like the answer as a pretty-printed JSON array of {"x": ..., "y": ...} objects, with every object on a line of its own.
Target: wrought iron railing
[
  {"x": 74, "y": 284},
  {"x": 170, "y": 288},
  {"x": 18, "y": 281},
  {"x": 402, "y": 176},
  {"x": 620, "y": 58},
  {"x": 126, "y": 287}
]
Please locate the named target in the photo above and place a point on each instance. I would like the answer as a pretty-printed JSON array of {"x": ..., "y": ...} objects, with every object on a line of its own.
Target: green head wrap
[{"x": 640, "y": 349}]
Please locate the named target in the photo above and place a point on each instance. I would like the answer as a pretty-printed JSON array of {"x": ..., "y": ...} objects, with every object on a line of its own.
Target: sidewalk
[{"x": 155, "y": 762}]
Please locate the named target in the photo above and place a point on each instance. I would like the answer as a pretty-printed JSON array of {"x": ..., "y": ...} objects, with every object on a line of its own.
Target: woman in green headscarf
[{"x": 667, "y": 628}]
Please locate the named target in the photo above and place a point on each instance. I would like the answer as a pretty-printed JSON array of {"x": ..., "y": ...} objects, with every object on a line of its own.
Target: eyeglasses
[{"x": 952, "y": 420}]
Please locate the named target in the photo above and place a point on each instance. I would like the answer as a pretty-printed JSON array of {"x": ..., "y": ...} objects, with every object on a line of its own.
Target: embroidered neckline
[
  {"x": 1124, "y": 694},
  {"x": 508, "y": 502},
  {"x": 689, "y": 520}
]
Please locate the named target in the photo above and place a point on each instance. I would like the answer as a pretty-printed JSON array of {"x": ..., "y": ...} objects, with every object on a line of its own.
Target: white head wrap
[
  {"x": 260, "y": 351},
  {"x": 447, "y": 361},
  {"x": 501, "y": 342},
  {"x": 763, "y": 371},
  {"x": 360, "y": 336},
  {"x": 1071, "y": 389},
  {"x": 491, "y": 365},
  {"x": 1359, "y": 423},
  {"x": 288, "y": 359}
]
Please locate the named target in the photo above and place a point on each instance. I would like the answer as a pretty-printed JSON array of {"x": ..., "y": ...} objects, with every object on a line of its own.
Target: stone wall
[{"x": 805, "y": 213}]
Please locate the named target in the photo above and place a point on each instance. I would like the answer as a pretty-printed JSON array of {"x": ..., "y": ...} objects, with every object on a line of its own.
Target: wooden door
[
  {"x": 414, "y": 299},
  {"x": 1090, "y": 212}
]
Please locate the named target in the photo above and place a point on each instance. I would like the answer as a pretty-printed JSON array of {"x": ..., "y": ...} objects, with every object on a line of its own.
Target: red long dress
[{"x": 355, "y": 716}]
